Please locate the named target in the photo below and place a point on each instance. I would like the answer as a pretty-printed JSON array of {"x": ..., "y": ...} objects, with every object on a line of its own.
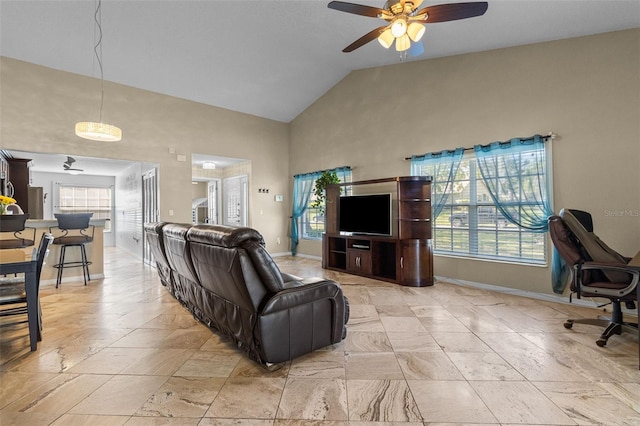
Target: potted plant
[{"x": 319, "y": 189}]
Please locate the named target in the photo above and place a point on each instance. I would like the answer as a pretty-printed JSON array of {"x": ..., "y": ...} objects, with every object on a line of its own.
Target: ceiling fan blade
[
  {"x": 358, "y": 9},
  {"x": 364, "y": 39},
  {"x": 453, "y": 11}
]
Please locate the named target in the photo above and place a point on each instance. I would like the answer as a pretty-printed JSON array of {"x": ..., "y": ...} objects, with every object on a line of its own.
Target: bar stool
[
  {"x": 82, "y": 234},
  {"x": 16, "y": 223}
]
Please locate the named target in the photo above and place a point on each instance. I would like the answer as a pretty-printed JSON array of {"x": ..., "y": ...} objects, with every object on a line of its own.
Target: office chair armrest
[{"x": 634, "y": 273}]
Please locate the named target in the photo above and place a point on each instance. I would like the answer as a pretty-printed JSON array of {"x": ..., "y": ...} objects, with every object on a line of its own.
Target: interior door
[
  {"x": 235, "y": 195},
  {"x": 213, "y": 201},
  {"x": 149, "y": 208}
]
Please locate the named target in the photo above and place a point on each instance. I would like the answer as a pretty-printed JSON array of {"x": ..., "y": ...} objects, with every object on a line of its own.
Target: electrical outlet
[{"x": 278, "y": 240}]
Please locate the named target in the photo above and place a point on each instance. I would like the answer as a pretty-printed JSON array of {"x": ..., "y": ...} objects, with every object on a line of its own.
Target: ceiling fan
[
  {"x": 67, "y": 165},
  {"x": 405, "y": 23}
]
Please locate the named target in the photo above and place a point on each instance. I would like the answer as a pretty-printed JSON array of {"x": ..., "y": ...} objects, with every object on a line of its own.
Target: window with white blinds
[{"x": 87, "y": 199}]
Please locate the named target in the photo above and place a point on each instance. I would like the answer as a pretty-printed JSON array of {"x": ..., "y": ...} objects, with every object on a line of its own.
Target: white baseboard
[{"x": 588, "y": 303}]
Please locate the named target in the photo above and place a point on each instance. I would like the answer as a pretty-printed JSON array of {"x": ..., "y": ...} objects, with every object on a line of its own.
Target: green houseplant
[{"x": 319, "y": 189}]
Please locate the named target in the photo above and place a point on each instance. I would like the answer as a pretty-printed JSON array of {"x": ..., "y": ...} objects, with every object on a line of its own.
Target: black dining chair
[
  {"x": 13, "y": 294},
  {"x": 73, "y": 230}
]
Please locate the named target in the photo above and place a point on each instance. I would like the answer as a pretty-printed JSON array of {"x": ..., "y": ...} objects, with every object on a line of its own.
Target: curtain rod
[
  {"x": 325, "y": 170},
  {"x": 551, "y": 136}
]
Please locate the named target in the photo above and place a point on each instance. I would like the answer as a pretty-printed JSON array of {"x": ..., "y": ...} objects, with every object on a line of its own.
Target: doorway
[{"x": 236, "y": 200}]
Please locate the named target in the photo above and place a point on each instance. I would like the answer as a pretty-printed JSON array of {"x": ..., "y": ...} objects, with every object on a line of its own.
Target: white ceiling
[{"x": 267, "y": 58}]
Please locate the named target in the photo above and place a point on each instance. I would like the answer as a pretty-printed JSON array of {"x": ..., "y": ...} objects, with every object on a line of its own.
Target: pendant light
[{"x": 88, "y": 129}]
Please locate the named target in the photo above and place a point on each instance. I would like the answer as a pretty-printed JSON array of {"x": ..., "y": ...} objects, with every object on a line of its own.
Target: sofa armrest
[
  {"x": 300, "y": 292},
  {"x": 287, "y": 278},
  {"x": 308, "y": 315}
]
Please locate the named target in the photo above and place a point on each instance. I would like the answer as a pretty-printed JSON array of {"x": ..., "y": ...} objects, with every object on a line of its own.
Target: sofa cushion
[
  {"x": 177, "y": 250},
  {"x": 246, "y": 238},
  {"x": 265, "y": 266}
]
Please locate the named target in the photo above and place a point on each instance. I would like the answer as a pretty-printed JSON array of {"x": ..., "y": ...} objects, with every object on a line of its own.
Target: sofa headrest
[
  {"x": 224, "y": 236},
  {"x": 155, "y": 227},
  {"x": 176, "y": 230}
]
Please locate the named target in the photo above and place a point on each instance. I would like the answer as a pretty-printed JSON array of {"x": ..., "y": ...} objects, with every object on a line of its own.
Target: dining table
[{"x": 29, "y": 268}]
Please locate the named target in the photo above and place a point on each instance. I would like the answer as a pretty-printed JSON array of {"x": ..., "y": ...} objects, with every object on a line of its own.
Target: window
[
  {"x": 312, "y": 220},
  {"x": 472, "y": 224},
  {"x": 87, "y": 199}
]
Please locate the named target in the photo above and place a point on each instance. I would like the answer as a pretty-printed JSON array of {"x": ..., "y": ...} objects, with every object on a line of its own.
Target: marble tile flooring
[{"x": 122, "y": 351}]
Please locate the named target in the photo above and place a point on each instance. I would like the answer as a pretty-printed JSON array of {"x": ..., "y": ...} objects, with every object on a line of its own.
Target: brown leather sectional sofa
[{"x": 227, "y": 280}]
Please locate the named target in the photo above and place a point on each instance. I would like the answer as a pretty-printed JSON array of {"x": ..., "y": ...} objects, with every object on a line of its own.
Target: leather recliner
[{"x": 225, "y": 277}]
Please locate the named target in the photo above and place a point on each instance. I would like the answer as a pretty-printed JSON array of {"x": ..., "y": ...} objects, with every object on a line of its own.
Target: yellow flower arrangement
[{"x": 4, "y": 201}]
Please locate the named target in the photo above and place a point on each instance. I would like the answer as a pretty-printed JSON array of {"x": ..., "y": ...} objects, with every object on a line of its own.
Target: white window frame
[
  {"x": 485, "y": 235},
  {"x": 77, "y": 203}
]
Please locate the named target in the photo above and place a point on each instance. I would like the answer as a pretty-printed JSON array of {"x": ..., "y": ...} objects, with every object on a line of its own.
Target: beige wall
[
  {"x": 587, "y": 90},
  {"x": 40, "y": 106}
]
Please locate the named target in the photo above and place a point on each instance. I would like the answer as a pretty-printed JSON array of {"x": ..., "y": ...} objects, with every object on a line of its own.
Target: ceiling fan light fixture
[
  {"x": 399, "y": 27},
  {"x": 386, "y": 38},
  {"x": 403, "y": 43},
  {"x": 416, "y": 31},
  {"x": 98, "y": 131}
]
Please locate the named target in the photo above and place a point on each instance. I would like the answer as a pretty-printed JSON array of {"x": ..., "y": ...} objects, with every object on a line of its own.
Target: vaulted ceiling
[{"x": 266, "y": 58}]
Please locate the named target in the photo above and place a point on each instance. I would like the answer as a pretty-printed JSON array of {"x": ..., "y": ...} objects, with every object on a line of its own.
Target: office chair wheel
[
  {"x": 601, "y": 342},
  {"x": 568, "y": 324}
]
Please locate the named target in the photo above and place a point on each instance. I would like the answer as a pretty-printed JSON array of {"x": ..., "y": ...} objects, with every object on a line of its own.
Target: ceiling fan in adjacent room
[
  {"x": 405, "y": 23},
  {"x": 68, "y": 166}
]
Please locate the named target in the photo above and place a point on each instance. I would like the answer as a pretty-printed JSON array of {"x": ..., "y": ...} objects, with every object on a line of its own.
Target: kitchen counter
[{"x": 95, "y": 252}]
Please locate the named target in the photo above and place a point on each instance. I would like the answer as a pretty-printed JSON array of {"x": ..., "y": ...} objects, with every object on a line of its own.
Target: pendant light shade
[
  {"x": 88, "y": 129},
  {"x": 399, "y": 27},
  {"x": 403, "y": 43},
  {"x": 386, "y": 38},
  {"x": 415, "y": 31},
  {"x": 98, "y": 131}
]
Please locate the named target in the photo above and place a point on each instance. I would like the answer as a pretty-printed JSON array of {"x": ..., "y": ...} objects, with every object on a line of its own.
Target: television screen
[{"x": 365, "y": 214}]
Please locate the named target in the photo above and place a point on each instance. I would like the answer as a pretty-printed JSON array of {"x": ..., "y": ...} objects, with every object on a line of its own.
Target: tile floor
[{"x": 123, "y": 351}]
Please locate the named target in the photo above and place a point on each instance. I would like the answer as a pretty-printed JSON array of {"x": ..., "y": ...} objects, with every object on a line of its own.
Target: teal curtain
[
  {"x": 515, "y": 174},
  {"x": 442, "y": 167},
  {"x": 302, "y": 187}
]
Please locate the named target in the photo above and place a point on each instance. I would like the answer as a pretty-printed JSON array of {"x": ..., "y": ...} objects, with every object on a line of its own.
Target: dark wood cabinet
[
  {"x": 20, "y": 178},
  {"x": 359, "y": 256},
  {"x": 406, "y": 257},
  {"x": 416, "y": 263}
]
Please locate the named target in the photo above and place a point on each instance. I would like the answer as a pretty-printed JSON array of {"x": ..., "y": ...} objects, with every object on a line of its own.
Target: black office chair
[
  {"x": 596, "y": 270},
  {"x": 13, "y": 294},
  {"x": 23, "y": 236},
  {"x": 76, "y": 232}
]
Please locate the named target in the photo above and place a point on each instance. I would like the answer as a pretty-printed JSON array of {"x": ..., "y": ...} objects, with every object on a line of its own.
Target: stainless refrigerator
[{"x": 35, "y": 201}]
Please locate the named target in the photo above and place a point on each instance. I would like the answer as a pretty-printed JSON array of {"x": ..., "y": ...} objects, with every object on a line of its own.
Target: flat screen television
[{"x": 365, "y": 214}]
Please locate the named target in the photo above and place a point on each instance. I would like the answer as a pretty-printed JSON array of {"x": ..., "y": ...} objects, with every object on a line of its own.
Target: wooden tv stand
[{"x": 405, "y": 258}]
